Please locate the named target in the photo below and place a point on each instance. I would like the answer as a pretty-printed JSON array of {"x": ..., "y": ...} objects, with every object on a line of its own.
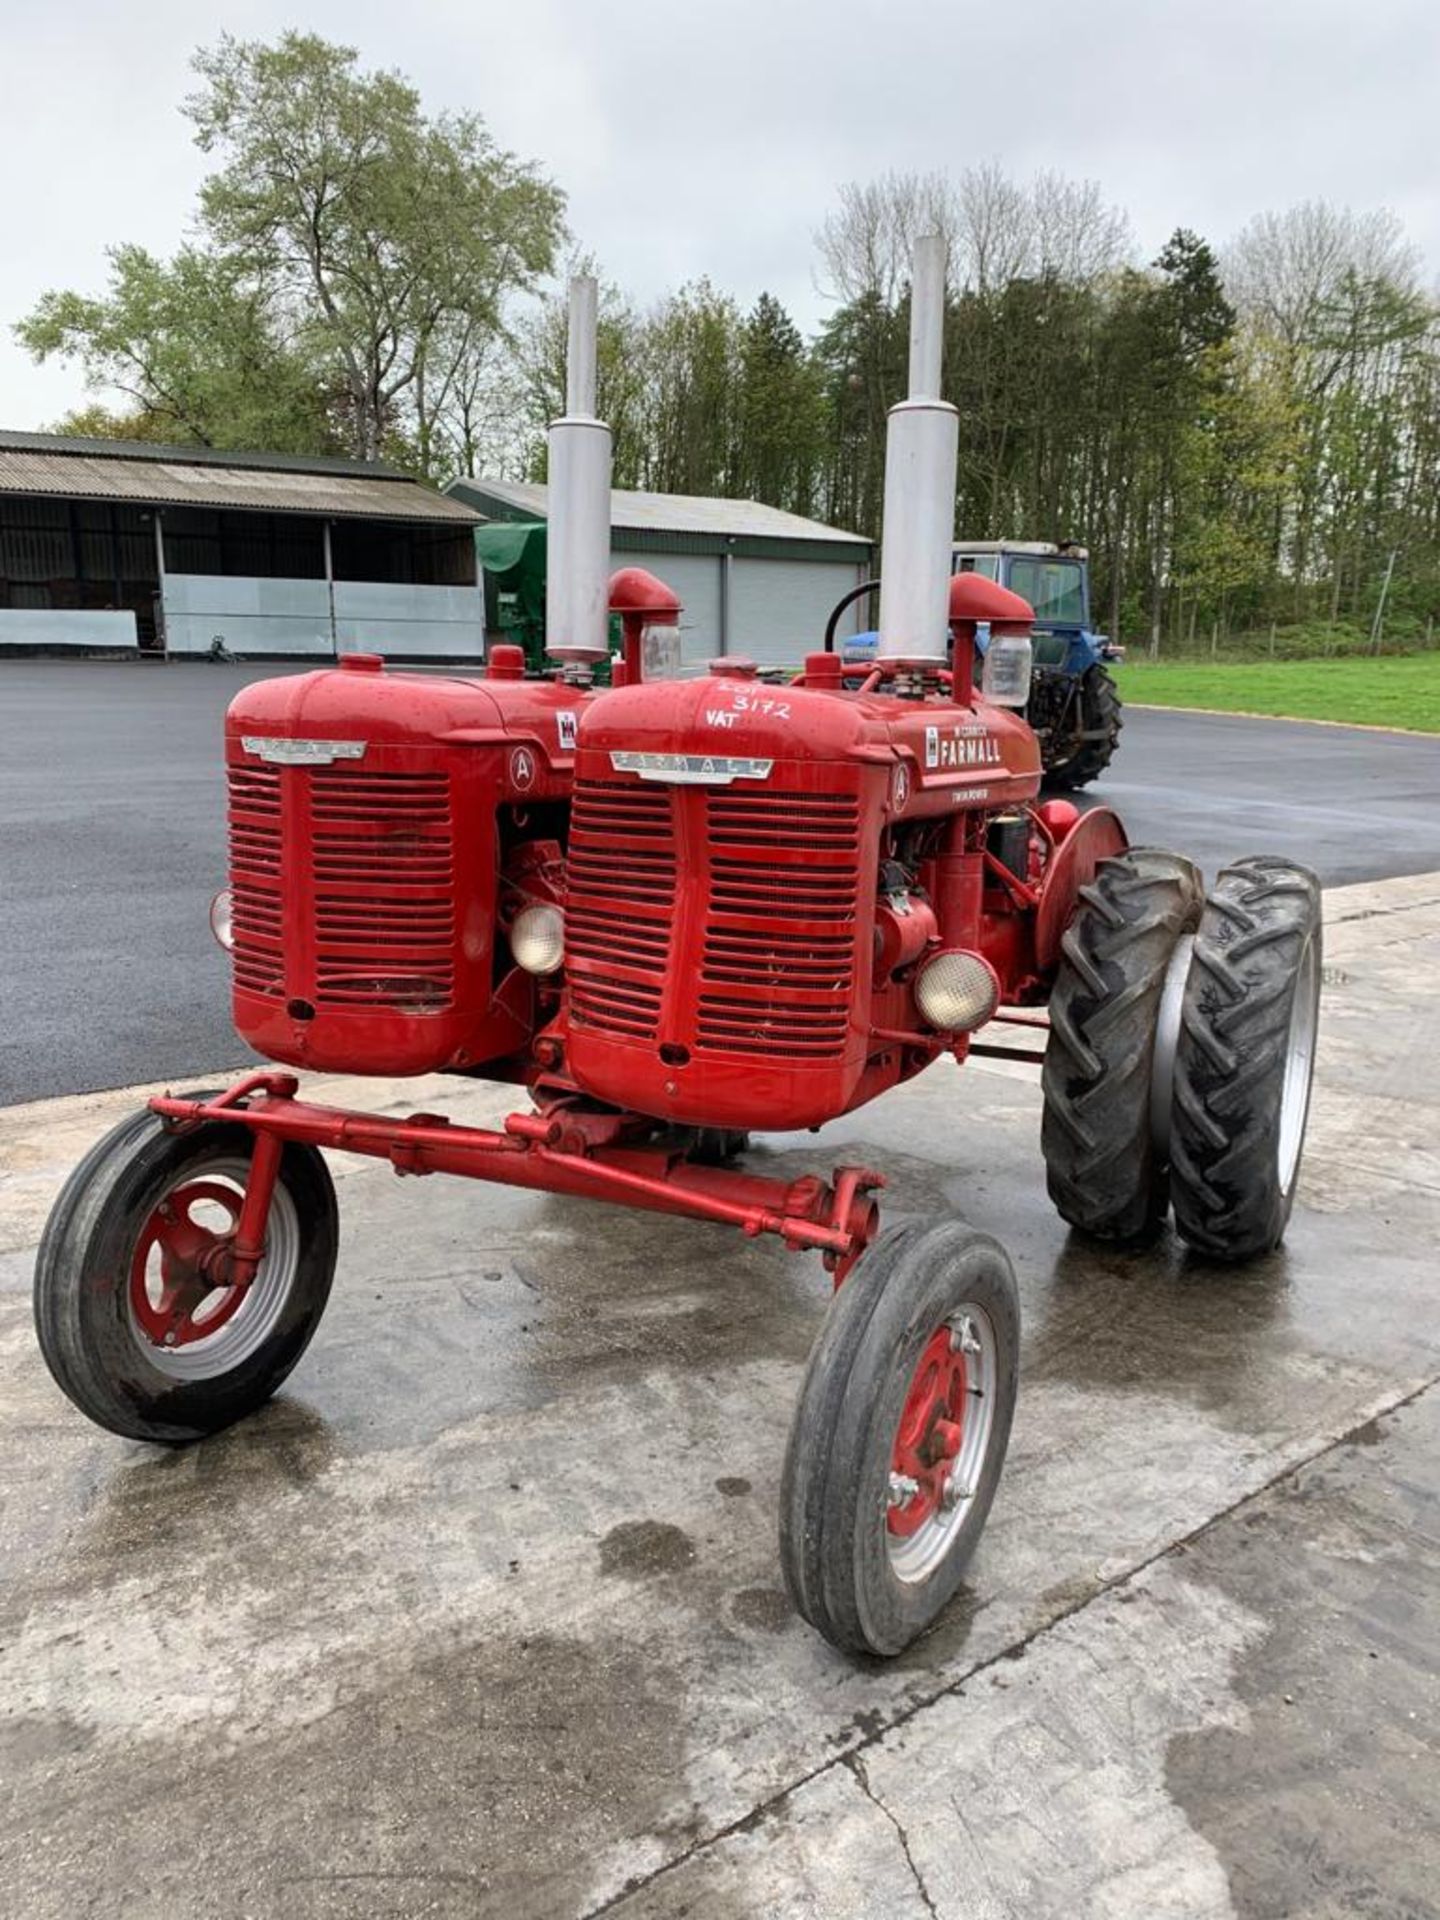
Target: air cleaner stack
[
  {"x": 921, "y": 449},
  {"x": 577, "y": 572}
]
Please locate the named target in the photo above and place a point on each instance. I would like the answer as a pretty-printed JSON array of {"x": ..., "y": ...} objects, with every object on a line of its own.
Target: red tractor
[{"x": 677, "y": 912}]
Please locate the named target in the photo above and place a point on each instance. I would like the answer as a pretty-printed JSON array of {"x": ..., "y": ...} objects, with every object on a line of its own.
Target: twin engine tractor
[{"x": 680, "y": 912}]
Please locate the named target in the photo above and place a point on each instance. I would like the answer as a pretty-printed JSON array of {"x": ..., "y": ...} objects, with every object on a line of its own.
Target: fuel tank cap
[
  {"x": 362, "y": 663},
  {"x": 734, "y": 666}
]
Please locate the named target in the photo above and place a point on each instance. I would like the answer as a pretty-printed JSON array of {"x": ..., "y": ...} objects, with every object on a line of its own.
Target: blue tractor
[{"x": 1074, "y": 704}]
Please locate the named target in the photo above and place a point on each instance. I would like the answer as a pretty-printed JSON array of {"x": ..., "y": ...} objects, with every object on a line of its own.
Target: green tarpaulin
[{"x": 512, "y": 564}]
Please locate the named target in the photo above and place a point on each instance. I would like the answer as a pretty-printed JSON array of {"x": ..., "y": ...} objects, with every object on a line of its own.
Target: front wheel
[
  {"x": 899, "y": 1435},
  {"x": 131, "y": 1324}
]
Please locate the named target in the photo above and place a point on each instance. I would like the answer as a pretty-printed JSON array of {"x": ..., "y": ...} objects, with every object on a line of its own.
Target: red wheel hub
[
  {"x": 194, "y": 1296},
  {"x": 930, "y": 1434}
]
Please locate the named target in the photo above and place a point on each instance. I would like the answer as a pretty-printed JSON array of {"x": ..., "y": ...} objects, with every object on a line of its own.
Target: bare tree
[
  {"x": 996, "y": 229},
  {"x": 1285, "y": 270},
  {"x": 867, "y": 243},
  {"x": 1078, "y": 237}
]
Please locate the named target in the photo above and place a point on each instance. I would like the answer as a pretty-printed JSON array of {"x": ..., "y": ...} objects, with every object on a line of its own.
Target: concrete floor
[
  {"x": 112, "y": 800},
  {"x": 483, "y": 1615}
]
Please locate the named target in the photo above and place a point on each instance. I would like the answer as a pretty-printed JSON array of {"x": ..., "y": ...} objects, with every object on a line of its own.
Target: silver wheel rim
[
  {"x": 915, "y": 1556},
  {"x": 1167, "y": 1042},
  {"x": 1299, "y": 1066},
  {"x": 255, "y": 1319}
]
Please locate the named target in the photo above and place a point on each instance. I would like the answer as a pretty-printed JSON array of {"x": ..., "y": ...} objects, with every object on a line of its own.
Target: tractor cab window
[
  {"x": 987, "y": 564},
  {"x": 1053, "y": 588}
]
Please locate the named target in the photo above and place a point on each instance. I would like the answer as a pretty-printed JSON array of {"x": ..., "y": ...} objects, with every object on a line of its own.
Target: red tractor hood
[{"x": 698, "y": 731}]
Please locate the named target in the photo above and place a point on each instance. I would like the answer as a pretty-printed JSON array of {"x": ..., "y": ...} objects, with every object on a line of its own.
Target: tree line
[{"x": 1243, "y": 438}]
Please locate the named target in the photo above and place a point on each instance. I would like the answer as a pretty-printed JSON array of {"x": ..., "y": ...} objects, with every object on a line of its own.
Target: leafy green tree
[
  {"x": 374, "y": 226},
  {"x": 192, "y": 345},
  {"x": 779, "y": 412}
]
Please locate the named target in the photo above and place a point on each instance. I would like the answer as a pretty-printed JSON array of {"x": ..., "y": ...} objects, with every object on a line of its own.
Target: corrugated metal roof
[
  {"x": 670, "y": 513},
  {"x": 142, "y": 475}
]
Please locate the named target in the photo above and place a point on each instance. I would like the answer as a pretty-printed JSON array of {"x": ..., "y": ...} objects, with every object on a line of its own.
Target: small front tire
[
  {"x": 899, "y": 1435},
  {"x": 136, "y": 1340}
]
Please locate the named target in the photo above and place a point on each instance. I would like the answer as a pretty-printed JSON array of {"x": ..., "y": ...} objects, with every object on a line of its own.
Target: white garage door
[
  {"x": 779, "y": 607},
  {"x": 696, "y": 578}
]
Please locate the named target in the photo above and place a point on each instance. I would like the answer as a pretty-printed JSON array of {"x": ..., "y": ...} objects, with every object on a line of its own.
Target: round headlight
[
  {"x": 957, "y": 992},
  {"x": 537, "y": 939},
  {"x": 222, "y": 918}
]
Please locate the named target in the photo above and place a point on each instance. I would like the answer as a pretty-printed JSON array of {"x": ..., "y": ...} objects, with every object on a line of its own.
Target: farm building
[
  {"x": 751, "y": 579},
  {"x": 113, "y": 545}
]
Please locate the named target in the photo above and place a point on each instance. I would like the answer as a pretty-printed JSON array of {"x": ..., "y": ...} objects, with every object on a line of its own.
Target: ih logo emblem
[
  {"x": 961, "y": 747},
  {"x": 567, "y": 724}
]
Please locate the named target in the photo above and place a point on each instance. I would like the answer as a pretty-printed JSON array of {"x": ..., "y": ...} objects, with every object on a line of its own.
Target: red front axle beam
[{"x": 560, "y": 1150}]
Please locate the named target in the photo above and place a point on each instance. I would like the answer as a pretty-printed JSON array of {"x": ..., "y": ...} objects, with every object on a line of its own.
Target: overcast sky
[{"x": 707, "y": 138}]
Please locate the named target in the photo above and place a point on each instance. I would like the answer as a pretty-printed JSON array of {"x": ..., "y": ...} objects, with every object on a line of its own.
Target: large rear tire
[
  {"x": 130, "y": 1327},
  {"x": 1104, "y": 1125},
  {"x": 1099, "y": 709},
  {"x": 1245, "y": 1058},
  {"x": 899, "y": 1435}
]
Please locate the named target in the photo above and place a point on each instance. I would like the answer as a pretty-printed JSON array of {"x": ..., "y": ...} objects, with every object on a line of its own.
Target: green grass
[{"x": 1388, "y": 691}]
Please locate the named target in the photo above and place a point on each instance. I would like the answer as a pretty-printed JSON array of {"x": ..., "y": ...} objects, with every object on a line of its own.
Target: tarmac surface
[
  {"x": 112, "y": 843},
  {"x": 483, "y": 1615}
]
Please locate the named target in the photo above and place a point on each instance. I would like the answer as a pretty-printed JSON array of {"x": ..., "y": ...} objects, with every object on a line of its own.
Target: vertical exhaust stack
[
  {"x": 921, "y": 449},
  {"x": 577, "y": 562}
]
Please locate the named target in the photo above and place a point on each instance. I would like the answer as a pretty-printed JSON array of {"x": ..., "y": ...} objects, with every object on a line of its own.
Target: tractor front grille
[
  {"x": 258, "y": 956},
  {"x": 370, "y": 922},
  {"x": 768, "y": 905},
  {"x": 382, "y": 847},
  {"x": 620, "y": 903},
  {"x": 777, "y": 967}
]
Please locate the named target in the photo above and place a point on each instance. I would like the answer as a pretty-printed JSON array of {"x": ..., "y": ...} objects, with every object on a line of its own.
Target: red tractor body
[
  {"x": 751, "y": 877},
  {"x": 373, "y": 821}
]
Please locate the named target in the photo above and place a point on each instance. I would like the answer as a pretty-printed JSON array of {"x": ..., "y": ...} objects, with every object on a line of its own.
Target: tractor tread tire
[
  {"x": 1100, "y": 706},
  {"x": 1230, "y": 1064},
  {"x": 82, "y": 1275},
  {"x": 1101, "y": 1166},
  {"x": 837, "y": 1460}
]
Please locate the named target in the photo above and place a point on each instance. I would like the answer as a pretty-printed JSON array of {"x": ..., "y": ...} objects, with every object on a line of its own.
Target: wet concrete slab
[{"x": 484, "y": 1613}]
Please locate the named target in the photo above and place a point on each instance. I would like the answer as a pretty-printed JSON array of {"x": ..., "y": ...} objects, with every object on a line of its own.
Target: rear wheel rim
[
  {"x": 941, "y": 1443},
  {"x": 186, "y": 1328},
  {"x": 1299, "y": 1067}
]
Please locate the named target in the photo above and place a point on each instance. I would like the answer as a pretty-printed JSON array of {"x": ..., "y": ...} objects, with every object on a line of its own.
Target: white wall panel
[
  {"x": 779, "y": 607},
  {"x": 66, "y": 627},
  {"x": 248, "y": 615},
  {"x": 415, "y": 623}
]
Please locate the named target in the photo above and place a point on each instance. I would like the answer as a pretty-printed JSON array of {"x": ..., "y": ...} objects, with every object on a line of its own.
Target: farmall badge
[
  {"x": 957, "y": 748},
  {"x": 301, "y": 753},
  {"x": 567, "y": 723},
  {"x": 691, "y": 769}
]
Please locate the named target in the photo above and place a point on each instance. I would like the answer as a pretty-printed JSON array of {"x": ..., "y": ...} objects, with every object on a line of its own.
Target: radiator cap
[
  {"x": 362, "y": 663},
  {"x": 734, "y": 666}
]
